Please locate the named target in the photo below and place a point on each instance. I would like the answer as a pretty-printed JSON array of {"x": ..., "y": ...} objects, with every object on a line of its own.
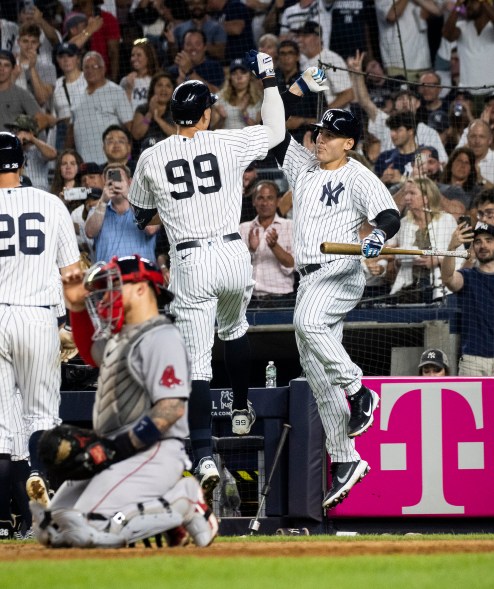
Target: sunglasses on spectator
[
  {"x": 282, "y": 53},
  {"x": 141, "y": 41}
]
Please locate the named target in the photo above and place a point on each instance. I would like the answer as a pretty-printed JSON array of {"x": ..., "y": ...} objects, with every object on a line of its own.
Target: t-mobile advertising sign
[{"x": 431, "y": 450}]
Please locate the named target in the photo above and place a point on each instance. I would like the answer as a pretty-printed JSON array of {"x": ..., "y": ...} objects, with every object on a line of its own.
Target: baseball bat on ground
[
  {"x": 255, "y": 524},
  {"x": 355, "y": 249}
]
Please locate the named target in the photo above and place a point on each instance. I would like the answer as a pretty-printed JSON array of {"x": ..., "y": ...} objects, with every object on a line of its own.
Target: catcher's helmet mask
[
  {"x": 11, "y": 153},
  {"x": 340, "y": 123},
  {"x": 189, "y": 101},
  {"x": 104, "y": 281}
]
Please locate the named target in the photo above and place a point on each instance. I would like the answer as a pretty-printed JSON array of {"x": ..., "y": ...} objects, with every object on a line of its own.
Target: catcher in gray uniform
[{"x": 123, "y": 480}]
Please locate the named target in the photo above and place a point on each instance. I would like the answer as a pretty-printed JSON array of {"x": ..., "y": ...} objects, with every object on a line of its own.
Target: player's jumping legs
[
  {"x": 236, "y": 278},
  {"x": 332, "y": 406},
  {"x": 205, "y": 468},
  {"x": 323, "y": 300},
  {"x": 194, "y": 307},
  {"x": 237, "y": 362}
]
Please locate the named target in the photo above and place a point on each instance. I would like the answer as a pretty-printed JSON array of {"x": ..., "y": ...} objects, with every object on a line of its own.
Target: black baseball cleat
[
  {"x": 344, "y": 475},
  {"x": 362, "y": 407}
]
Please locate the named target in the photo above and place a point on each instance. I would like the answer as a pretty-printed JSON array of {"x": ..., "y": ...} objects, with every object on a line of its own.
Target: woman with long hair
[
  {"x": 461, "y": 171},
  {"x": 66, "y": 173},
  {"x": 239, "y": 100},
  {"x": 425, "y": 226},
  {"x": 144, "y": 63},
  {"x": 154, "y": 118}
]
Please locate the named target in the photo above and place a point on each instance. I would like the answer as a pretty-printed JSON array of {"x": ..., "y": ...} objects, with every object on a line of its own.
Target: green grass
[{"x": 174, "y": 571}]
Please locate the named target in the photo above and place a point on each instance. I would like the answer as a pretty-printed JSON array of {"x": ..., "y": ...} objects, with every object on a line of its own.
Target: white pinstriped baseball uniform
[
  {"x": 196, "y": 185},
  {"x": 330, "y": 205},
  {"x": 37, "y": 238}
]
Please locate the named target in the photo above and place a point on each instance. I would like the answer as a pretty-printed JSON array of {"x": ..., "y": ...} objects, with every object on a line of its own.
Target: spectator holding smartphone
[{"x": 111, "y": 222}]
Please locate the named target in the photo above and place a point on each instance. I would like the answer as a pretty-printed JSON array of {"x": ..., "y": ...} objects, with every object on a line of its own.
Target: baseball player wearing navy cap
[
  {"x": 332, "y": 196},
  {"x": 194, "y": 181},
  {"x": 38, "y": 244}
]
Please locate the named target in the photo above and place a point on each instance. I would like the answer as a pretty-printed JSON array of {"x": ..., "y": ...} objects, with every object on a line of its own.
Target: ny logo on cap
[
  {"x": 327, "y": 116},
  {"x": 431, "y": 355}
]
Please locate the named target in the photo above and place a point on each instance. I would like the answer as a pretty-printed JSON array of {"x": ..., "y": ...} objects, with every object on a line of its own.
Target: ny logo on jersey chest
[{"x": 331, "y": 195}]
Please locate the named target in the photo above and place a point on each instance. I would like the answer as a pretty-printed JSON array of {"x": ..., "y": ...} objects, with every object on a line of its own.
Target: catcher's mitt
[{"x": 74, "y": 453}]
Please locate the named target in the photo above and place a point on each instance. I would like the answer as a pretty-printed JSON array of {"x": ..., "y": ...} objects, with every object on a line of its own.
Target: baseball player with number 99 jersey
[
  {"x": 194, "y": 180},
  {"x": 37, "y": 243}
]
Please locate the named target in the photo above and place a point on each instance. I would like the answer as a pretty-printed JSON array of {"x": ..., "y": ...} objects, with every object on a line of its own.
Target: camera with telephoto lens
[{"x": 79, "y": 193}]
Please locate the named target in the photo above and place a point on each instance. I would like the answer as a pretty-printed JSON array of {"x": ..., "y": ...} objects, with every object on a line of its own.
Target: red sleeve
[
  {"x": 110, "y": 26},
  {"x": 82, "y": 330}
]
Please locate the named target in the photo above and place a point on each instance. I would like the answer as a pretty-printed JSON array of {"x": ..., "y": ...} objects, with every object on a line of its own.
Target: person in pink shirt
[{"x": 269, "y": 239}]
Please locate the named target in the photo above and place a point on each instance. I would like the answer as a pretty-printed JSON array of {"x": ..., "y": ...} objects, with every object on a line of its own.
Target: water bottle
[
  {"x": 458, "y": 109},
  {"x": 270, "y": 375}
]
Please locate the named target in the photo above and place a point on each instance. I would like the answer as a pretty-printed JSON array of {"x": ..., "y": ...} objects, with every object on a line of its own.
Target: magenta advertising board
[{"x": 431, "y": 450}]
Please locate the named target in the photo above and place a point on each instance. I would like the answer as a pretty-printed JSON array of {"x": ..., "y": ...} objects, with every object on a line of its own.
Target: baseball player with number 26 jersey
[
  {"x": 37, "y": 243},
  {"x": 194, "y": 180},
  {"x": 332, "y": 196}
]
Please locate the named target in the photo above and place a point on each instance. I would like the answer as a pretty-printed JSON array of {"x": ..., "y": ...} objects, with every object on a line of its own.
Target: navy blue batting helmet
[
  {"x": 11, "y": 154},
  {"x": 340, "y": 123},
  {"x": 189, "y": 101}
]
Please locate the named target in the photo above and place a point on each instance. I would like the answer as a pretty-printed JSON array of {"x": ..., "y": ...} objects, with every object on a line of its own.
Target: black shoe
[
  {"x": 344, "y": 475},
  {"x": 362, "y": 407},
  {"x": 6, "y": 530}
]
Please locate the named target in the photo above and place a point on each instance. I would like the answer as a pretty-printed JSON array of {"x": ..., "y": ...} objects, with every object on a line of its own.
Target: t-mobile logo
[{"x": 466, "y": 455}]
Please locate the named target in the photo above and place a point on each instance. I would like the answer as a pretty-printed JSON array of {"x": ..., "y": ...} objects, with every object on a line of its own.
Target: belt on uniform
[
  {"x": 35, "y": 306},
  {"x": 196, "y": 242},
  {"x": 304, "y": 270}
]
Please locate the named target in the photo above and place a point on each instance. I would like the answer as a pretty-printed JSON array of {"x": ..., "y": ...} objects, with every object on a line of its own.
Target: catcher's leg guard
[
  {"x": 150, "y": 518},
  {"x": 69, "y": 528},
  {"x": 187, "y": 498}
]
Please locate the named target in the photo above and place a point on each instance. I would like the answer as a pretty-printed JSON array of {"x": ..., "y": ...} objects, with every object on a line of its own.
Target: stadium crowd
[{"x": 86, "y": 85}]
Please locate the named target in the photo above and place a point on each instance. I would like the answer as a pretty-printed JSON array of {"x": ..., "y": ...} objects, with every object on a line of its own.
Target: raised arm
[
  {"x": 359, "y": 86},
  {"x": 272, "y": 109},
  {"x": 450, "y": 31},
  {"x": 449, "y": 276}
]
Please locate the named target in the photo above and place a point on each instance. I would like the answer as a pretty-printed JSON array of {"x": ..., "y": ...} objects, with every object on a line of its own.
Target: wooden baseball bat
[{"x": 354, "y": 249}]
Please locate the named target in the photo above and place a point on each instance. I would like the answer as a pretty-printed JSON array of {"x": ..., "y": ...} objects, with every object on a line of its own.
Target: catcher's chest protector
[{"x": 120, "y": 399}]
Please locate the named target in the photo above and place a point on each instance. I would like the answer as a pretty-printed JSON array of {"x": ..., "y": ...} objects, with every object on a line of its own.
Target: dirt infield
[{"x": 11, "y": 552}]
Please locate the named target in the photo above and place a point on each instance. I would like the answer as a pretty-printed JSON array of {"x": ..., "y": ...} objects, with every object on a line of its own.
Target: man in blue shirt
[
  {"x": 475, "y": 289},
  {"x": 111, "y": 222}
]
